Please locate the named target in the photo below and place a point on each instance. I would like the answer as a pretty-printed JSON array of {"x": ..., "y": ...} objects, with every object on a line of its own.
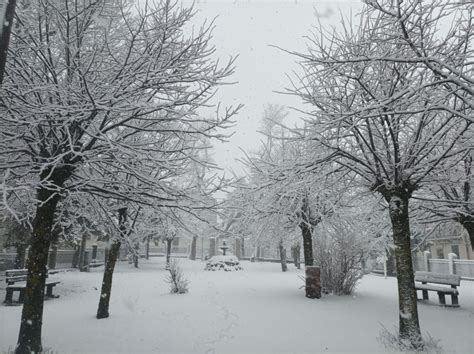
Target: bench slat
[
  {"x": 17, "y": 275},
  {"x": 438, "y": 278},
  {"x": 436, "y": 288}
]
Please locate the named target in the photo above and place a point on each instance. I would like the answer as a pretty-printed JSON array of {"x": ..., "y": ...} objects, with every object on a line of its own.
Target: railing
[{"x": 452, "y": 265}]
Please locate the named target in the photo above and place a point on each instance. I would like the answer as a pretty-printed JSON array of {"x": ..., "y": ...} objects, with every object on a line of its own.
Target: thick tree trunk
[
  {"x": 113, "y": 254},
  {"x": 20, "y": 255},
  {"x": 307, "y": 244},
  {"x": 29, "y": 337},
  {"x": 409, "y": 327},
  {"x": 192, "y": 254},
  {"x": 282, "y": 251},
  {"x": 242, "y": 245},
  {"x": 103, "y": 309}
]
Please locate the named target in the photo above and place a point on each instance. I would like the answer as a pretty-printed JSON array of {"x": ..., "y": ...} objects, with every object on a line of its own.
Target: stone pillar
[
  {"x": 75, "y": 257},
  {"x": 94, "y": 252},
  {"x": 212, "y": 247},
  {"x": 238, "y": 248},
  {"x": 452, "y": 267},
  {"x": 85, "y": 267},
  {"x": 52, "y": 256},
  {"x": 313, "y": 282},
  {"x": 82, "y": 251},
  {"x": 426, "y": 260}
]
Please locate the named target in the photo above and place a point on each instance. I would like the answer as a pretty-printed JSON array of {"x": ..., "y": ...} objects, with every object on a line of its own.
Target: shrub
[
  {"x": 178, "y": 283},
  {"x": 392, "y": 342},
  {"x": 226, "y": 263},
  {"x": 340, "y": 259}
]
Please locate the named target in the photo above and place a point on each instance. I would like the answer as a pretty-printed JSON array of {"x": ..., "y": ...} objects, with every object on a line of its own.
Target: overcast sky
[{"x": 248, "y": 28}]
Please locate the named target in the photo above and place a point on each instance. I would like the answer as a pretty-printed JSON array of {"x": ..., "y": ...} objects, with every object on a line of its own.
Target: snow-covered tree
[
  {"x": 390, "y": 106},
  {"x": 450, "y": 196},
  {"x": 93, "y": 88}
]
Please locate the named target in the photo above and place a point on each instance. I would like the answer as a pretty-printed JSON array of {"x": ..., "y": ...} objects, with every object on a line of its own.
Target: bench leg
[
  {"x": 425, "y": 294},
  {"x": 21, "y": 299},
  {"x": 454, "y": 300},
  {"x": 49, "y": 291},
  {"x": 442, "y": 299},
  {"x": 8, "y": 296}
]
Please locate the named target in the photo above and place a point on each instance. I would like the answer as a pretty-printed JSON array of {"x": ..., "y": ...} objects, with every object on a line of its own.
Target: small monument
[
  {"x": 226, "y": 262},
  {"x": 224, "y": 248}
]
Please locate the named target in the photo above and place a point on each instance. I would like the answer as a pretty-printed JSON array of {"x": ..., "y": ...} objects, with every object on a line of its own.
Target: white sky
[{"x": 247, "y": 28}]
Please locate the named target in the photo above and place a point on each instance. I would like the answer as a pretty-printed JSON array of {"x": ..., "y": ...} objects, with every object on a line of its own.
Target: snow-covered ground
[{"x": 257, "y": 310}]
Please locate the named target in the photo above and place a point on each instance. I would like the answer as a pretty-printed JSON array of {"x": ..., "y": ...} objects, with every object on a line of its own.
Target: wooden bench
[
  {"x": 16, "y": 281},
  {"x": 438, "y": 278}
]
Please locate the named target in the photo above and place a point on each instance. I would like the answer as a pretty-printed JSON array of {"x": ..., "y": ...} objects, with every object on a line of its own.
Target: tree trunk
[
  {"x": 192, "y": 254},
  {"x": 82, "y": 251},
  {"x": 242, "y": 245},
  {"x": 103, "y": 309},
  {"x": 409, "y": 327},
  {"x": 147, "y": 248},
  {"x": 6, "y": 23},
  {"x": 20, "y": 255},
  {"x": 469, "y": 226},
  {"x": 282, "y": 251},
  {"x": 296, "y": 250},
  {"x": 168, "y": 251},
  {"x": 29, "y": 337},
  {"x": 307, "y": 244},
  {"x": 136, "y": 254}
]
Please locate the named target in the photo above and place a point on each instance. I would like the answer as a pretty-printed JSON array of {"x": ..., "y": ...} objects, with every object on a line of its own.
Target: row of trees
[
  {"x": 100, "y": 121},
  {"x": 388, "y": 124}
]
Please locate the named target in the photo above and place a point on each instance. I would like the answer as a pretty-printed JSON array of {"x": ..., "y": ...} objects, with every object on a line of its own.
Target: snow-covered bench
[
  {"x": 428, "y": 278},
  {"x": 16, "y": 281}
]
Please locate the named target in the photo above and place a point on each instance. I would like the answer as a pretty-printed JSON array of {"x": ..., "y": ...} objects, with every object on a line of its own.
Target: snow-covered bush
[
  {"x": 227, "y": 263},
  {"x": 178, "y": 283},
  {"x": 339, "y": 254},
  {"x": 392, "y": 342}
]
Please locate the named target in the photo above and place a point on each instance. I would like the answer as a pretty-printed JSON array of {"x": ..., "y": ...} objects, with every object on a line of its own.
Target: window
[
  {"x": 440, "y": 253},
  {"x": 176, "y": 241},
  {"x": 455, "y": 249}
]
